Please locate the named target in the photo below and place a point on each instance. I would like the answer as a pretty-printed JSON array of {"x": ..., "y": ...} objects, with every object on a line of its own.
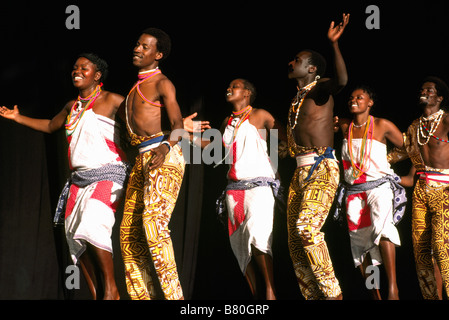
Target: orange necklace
[
  {"x": 77, "y": 108},
  {"x": 244, "y": 115},
  {"x": 365, "y": 148}
]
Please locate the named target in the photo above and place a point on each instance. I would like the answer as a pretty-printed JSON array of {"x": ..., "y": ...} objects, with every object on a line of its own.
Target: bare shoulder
[
  {"x": 114, "y": 98},
  {"x": 384, "y": 123},
  {"x": 446, "y": 118},
  {"x": 321, "y": 92},
  {"x": 261, "y": 118},
  {"x": 163, "y": 80},
  {"x": 258, "y": 112},
  {"x": 69, "y": 105}
]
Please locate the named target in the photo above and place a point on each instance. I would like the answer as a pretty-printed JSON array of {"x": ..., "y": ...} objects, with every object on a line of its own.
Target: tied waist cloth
[
  {"x": 275, "y": 184},
  {"x": 145, "y": 144},
  {"x": 399, "y": 195},
  {"x": 433, "y": 176},
  {"x": 117, "y": 173},
  {"x": 313, "y": 159}
]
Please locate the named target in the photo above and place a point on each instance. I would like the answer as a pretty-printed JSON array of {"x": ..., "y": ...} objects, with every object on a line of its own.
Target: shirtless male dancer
[
  {"x": 152, "y": 112},
  {"x": 426, "y": 143},
  {"x": 315, "y": 181},
  {"x": 98, "y": 170}
]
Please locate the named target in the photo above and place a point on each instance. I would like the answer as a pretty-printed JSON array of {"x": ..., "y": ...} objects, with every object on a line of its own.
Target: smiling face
[
  {"x": 145, "y": 53},
  {"x": 359, "y": 101},
  {"x": 237, "y": 92},
  {"x": 429, "y": 95},
  {"x": 85, "y": 74}
]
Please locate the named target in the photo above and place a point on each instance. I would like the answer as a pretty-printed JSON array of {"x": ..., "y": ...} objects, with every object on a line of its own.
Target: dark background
[{"x": 213, "y": 43}]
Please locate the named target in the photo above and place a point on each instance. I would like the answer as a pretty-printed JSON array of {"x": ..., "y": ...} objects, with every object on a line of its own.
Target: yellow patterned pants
[
  {"x": 145, "y": 241},
  {"x": 430, "y": 233},
  {"x": 309, "y": 203}
]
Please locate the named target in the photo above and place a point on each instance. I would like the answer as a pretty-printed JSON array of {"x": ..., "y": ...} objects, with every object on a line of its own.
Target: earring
[{"x": 317, "y": 77}]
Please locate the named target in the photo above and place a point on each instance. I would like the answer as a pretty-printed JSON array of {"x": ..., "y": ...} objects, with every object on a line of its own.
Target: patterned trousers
[
  {"x": 430, "y": 234},
  {"x": 309, "y": 203},
  {"x": 145, "y": 241}
]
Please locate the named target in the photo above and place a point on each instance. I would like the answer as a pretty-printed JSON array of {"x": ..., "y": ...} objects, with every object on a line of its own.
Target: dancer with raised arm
[{"x": 312, "y": 188}]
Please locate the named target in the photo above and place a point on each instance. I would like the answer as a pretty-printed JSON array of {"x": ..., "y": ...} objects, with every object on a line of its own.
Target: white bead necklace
[
  {"x": 300, "y": 96},
  {"x": 435, "y": 119}
]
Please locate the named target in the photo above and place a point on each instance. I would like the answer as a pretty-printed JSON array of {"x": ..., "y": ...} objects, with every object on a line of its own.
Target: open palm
[{"x": 335, "y": 31}]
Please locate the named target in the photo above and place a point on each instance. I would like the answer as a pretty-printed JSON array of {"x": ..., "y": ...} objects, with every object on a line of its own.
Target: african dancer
[
  {"x": 315, "y": 180},
  {"x": 370, "y": 188},
  {"x": 95, "y": 188},
  {"x": 152, "y": 113},
  {"x": 426, "y": 144}
]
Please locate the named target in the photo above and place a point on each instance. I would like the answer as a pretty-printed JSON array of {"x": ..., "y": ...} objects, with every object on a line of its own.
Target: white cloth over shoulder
[
  {"x": 250, "y": 211},
  {"x": 248, "y": 153}
]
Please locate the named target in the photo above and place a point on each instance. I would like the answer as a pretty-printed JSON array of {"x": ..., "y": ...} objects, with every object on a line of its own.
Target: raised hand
[
  {"x": 335, "y": 32},
  {"x": 9, "y": 113}
]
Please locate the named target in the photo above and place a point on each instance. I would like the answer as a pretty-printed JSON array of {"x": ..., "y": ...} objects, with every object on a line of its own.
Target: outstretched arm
[
  {"x": 341, "y": 75},
  {"x": 190, "y": 127},
  {"x": 195, "y": 126},
  {"x": 43, "y": 125}
]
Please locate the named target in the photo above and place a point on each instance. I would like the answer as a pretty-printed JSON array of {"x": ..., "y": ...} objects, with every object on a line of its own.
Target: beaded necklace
[
  {"x": 435, "y": 119},
  {"x": 242, "y": 116},
  {"x": 79, "y": 110},
  {"x": 144, "y": 76},
  {"x": 300, "y": 96},
  {"x": 365, "y": 148}
]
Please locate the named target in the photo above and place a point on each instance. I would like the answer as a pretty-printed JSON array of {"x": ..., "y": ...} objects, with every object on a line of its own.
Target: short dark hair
[
  {"x": 163, "y": 41},
  {"x": 249, "y": 86},
  {"x": 442, "y": 89},
  {"x": 99, "y": 63},
  {"x": 316, "y": 59},
  {"x": 368, "y": 90}
]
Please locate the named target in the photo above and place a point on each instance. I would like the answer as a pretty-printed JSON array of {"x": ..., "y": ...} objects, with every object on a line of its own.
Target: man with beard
[{"x": 426, "y": 144}]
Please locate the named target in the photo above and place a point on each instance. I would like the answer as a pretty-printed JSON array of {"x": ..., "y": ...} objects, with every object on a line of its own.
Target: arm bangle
[{"x": 168, "y": 145}]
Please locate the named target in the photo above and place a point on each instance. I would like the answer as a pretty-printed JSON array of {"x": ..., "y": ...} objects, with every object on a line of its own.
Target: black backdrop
[{"x": 213, "y": 43}]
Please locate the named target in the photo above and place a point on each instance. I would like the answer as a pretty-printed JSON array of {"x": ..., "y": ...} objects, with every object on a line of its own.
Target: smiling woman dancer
[
  {"x": 370, "y": 188},
  {"x": 252, "y": 189},
  {"x": 95, "y": 187}
]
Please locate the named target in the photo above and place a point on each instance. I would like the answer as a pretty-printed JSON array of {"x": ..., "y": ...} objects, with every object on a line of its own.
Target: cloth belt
[
  {"x": 433, "y": 176},
  {"x": 399, "y": 195},
  {"x": 275, "y": 184},
  {"x": 151, "y": 143},
  {"x": 117, "y": 173},
  {"x": 314, "y": 159}
]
